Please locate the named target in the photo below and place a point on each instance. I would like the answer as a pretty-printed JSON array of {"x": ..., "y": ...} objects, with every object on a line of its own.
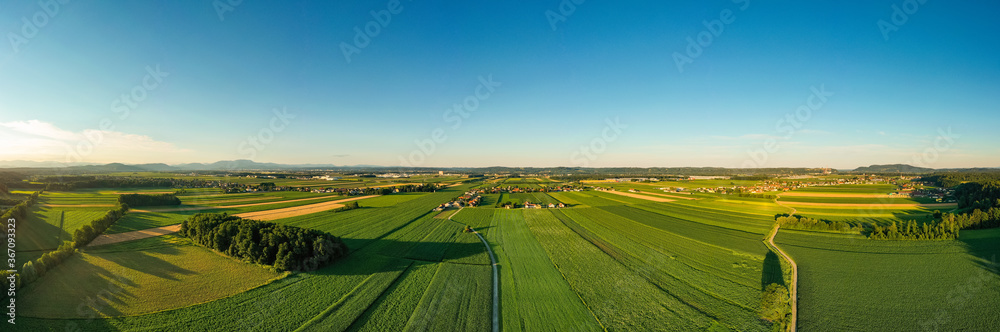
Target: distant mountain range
[
  {"x": 902, "y": 168},
  {"x": 223, "y": 165},
  {"x": 249, "y": 165}
]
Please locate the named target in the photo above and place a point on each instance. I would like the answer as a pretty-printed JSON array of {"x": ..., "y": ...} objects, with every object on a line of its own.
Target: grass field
[
  {"x": 145, "y": 276},
  {"x": 535, "y": 297},
  {"x": 607, "y": 262},
  {"x": 850, "y": 283}
]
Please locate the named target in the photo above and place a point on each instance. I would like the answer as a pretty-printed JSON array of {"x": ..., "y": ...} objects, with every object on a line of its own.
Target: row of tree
[
  {"x": 977, "y": 219},
  {"x": 911, "y": 230},
  {"x": 148, "y": 199},
  {"x": 806, "y": 223},
  {"x": 753, "y": 195},
  {"x": 19, "y": 211},
  {"x": 76, "y": 182},
  {"x": 287, "y": 248},
  {"x": 83, "y": 235},
  {"x": 33, "y": 270},
  {"x": 409, "y": 188}
]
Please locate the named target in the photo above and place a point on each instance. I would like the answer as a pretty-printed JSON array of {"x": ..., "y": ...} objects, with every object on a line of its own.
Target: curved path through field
[
  {"x": 792, "y": 291},
  {"x": 134, "y": 235},
  {"x": 496, "y": 278}
]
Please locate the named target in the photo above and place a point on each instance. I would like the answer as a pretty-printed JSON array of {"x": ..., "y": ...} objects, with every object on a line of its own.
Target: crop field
[
  {"x": 608, "y": 262},
  {"x": 535, "y": 296},
  {"x": 153, "y": 274},
  {"x": 845, "y": 282}
]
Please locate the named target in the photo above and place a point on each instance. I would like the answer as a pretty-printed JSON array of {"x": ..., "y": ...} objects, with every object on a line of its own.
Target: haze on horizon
[{"x": 599, "y": 84}]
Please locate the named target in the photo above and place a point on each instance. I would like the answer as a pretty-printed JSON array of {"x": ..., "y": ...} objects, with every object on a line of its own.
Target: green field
[
  {"x": 147, "y": 276},
  {"x": 606, "y": 262},
  {"x": 850, "y": 283}
]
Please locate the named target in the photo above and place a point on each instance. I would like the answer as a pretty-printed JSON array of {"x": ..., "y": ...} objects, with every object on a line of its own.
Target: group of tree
[
  {"x": 287, "y": 248},
  {"x": 978, "y": 195},
  {"x": 148, "y": 199},
  {"x": 911, "y": 230},
  {"x": 977, "y": 219},
  {"x": 776, "y": 307},
  {"x": 347, "y": 207},
  {"x": 806, "y": 223},
  {"x": 83, "y": 235},
  {"x": 951, "y": 179}
]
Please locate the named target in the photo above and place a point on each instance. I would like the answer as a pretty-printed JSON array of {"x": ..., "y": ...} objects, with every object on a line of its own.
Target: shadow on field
[
  {"x": 89, "y": 291},
  {"x": 771, "y": 273},
  {"x": 985, "y": 246},
  {"x": 372, "y": 252},
  {"x": 152, "y": 265},
  {"x": 36, "y": 234}
]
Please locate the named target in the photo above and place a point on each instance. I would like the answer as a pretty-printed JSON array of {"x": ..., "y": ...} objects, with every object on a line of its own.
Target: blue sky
[{"x": 927, "y": 95}]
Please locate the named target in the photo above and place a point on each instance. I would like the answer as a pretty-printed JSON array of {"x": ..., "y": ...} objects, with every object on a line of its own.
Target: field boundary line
[
  {"x": 793, "y": 291},
  {"x": 496, "y": 277},
  {"x": 330, "y": 309}
]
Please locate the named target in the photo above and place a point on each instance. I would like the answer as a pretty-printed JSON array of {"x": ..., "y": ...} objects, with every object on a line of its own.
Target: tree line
[
  {"x": 978, "y": 195},
  {"x": 83, "y": 235},
  {"x": 33, "y": 270},
  {"x": 977, "y": 219},
  {"x": 910, "y": 230},
  {"x": 287, "y": 248},
  {"x": 952, "y": 179},
  {"x": 77, "y": 182},
  {"x": 148, "y": 199},
  {"x": 752, "y": 195},
  {"x": 806, "y": 223},
  {"x": 19, "y": 211}
]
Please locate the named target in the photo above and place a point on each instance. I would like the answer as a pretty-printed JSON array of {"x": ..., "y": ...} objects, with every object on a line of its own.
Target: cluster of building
[
  {"x": 938, "y": 194},
  {"x": 470, "y": 198},
  {"x": 530, "y": 205}
]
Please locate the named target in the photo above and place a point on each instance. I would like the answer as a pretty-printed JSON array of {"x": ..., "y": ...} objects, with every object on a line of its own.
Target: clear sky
[{"x": 546, "y": 83}]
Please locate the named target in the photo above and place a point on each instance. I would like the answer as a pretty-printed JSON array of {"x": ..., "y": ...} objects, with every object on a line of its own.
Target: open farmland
[
  {"x": 150, "y": 275},
  {"x": 943, "y": 285},
  {"x": 608, "y": 261}
]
